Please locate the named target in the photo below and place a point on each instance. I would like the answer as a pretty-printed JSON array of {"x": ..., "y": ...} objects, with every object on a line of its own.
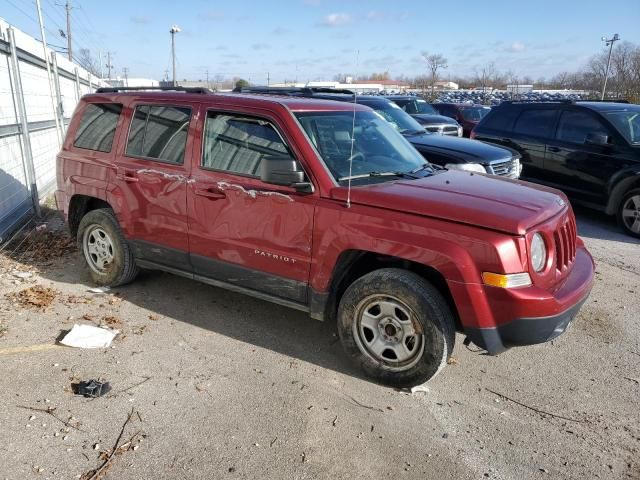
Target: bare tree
[
  {"x": 434, "y": 62},
  {"x": 88, "y": 62},
  {"x": 487, "y": 76}
]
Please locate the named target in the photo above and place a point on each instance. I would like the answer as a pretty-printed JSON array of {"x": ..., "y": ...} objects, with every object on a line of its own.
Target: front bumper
[
  {"x": 523, "y": 331},
  {"x": 500, "y": 318}
]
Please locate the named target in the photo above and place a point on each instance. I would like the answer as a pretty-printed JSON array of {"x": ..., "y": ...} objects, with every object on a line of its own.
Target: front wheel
[
  {"x": 629, "y": 213},
  {"x": 105, "y": 250},
  {"x": 396, "y": 326}
]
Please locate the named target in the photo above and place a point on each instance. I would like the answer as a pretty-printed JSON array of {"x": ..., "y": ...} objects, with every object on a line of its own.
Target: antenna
[{"x": 353, "y": 137}]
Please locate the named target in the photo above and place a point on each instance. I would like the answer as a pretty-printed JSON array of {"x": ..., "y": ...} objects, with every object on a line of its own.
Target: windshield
[
  {"x": 401, "y": 120},
  {"x": 627, "y": 122},
  {"x": 419, "y": 106},
  {"x": 474, "y": 114},
  {"x": 377, "y": 146}
]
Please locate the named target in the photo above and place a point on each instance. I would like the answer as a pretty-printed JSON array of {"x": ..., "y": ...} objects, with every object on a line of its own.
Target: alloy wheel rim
[
  {"x": 387, "y": 331},
  {"x": 98, "y": 249},
  {"x": 631, "y": 213}
]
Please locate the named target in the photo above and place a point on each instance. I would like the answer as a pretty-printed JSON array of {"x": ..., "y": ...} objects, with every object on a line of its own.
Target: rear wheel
[
  {"x": 105, "y": 250},
  {"x": 396, "y": 326},
  {"x": 629, "y": 213}
]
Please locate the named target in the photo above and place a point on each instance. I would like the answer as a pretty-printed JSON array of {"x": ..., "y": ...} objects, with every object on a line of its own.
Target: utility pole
[
  {"x": 609, "y": 43},
  {"x": 207, "y": 75},
  {"x": 268, "y": 79},
  {"x": 109, "y": 65},
  {"x": 67, "y": 7},
  {"x": 174, "y": 29},
  {"x": 125, "y": 70}
]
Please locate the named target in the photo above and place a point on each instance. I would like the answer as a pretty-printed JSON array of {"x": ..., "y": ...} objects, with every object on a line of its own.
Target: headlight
[
  {"x": 467, "y": 167},
  {"x": 538, "y": 252}
]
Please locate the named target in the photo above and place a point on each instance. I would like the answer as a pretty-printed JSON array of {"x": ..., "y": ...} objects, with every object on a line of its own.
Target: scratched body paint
[
  {"x": 169, "y": 176},
  {"x": 252, "y": 193}
]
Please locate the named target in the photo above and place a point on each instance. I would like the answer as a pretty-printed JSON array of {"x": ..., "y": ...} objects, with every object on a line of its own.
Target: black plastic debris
[{"x": 92, "y": 388}]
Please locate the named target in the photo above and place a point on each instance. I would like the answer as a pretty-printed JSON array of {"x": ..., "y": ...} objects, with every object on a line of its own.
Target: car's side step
[{"x": 227, "y": 286}]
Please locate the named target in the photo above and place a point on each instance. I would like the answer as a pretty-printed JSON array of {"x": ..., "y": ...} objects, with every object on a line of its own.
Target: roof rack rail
[
  {"x": 621, "y": 100},
  {"x": 161, "y": 89},
  {"x": 293, "y": 91},
  {"x": 561, "y": 100}
]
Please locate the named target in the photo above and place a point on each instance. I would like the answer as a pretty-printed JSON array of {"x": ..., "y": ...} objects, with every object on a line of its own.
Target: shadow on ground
[
  {"x": 598, "y": 225},
  {"x": 243, "y": 318}
]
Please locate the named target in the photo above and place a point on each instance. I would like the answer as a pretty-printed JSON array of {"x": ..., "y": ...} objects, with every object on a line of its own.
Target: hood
[
  {"x": 509, "y": 206},
  {"x": 461, "y": 148},
  {"x": 427, "y": 119}
]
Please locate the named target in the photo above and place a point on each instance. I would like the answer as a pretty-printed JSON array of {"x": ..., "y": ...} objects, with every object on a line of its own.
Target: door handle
[
  {"x": 210, "y": 193},
  {"x": 126, "y": 175},
  {"x": 553, "y": 149},
  {"x": 127, "y": 178}
]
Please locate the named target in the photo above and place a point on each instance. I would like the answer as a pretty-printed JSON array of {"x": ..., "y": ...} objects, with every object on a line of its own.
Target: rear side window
[
  {"x": 498, "y": 119},
  {"x": 535, "y": 123},
  {"x": 574, "y": 126},
  {"x": 159, "y": 132},
  {"x": 98, "y": 127},
  {"x": 237, "y": 143}
]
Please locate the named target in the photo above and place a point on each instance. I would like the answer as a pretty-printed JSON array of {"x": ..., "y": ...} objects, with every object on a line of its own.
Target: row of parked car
[
  {"x": 489, "y": 96},
  {"x": 347, "y": 208},
  {"x": 590, "y": 150}
]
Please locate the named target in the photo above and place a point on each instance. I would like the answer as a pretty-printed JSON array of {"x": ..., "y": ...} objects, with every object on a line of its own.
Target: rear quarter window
[{"x": 98, "y": 127}]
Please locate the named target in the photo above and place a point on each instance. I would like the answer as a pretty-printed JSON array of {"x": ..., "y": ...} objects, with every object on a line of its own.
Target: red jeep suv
[{"x": 324, "y": 207}]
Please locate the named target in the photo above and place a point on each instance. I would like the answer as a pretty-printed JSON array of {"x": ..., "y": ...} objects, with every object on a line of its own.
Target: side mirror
[
  {"x": 284, "y": 171},
  {"x": 597, "y": 139}
]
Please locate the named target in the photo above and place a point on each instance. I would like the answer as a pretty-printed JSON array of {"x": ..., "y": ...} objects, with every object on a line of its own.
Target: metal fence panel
[{"x": 41, "y": 115}]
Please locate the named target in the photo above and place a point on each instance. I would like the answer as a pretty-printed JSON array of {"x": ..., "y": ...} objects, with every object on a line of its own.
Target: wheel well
[
  {"x": 79, "y": 206},
  {"x": 619, "y": 191},
  {"x": 354, "y": 264}
]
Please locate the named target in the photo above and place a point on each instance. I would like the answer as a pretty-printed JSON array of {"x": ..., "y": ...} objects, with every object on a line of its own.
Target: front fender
[{"x": 460, "y": 253}]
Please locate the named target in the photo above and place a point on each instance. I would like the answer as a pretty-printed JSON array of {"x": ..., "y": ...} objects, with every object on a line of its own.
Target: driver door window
[{"x": 237, "y": 144}]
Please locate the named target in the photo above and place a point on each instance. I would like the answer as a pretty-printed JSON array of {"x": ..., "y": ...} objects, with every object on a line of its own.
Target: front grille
[
  {"x": 442, "y": 129},
  {"x": 506, "y": 168},
  {"x": 565, "y": 240}
]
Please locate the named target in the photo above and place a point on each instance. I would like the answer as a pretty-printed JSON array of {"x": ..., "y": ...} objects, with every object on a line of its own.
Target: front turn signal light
[{"x": 509, "y": 280}]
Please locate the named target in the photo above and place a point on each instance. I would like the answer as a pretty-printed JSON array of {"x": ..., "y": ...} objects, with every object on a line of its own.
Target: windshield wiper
[
  {"x": 424, "y": 166},
  {"x": 379, "y": 174}
]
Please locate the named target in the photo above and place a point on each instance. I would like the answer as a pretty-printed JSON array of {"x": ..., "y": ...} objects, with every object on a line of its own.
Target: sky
[{"x": 318, "y": 39}]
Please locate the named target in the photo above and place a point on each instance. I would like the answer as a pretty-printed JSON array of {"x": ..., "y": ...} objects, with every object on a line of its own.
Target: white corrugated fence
[{"x": 35, "y": 108}]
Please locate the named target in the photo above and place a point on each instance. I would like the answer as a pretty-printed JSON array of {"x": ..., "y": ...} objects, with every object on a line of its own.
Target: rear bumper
[
  {"x": 61, "y": 202},
  {"x": 496, "y": 319}
]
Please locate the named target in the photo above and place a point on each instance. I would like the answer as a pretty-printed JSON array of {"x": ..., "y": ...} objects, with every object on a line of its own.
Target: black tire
[
  {"x": 122, "y": 269},
  {"x": 427, "y": 307},
  {"x": 625, "y": 221}
]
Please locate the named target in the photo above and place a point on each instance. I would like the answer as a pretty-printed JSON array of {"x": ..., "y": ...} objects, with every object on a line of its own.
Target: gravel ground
[{"x": 226, "y": 386}]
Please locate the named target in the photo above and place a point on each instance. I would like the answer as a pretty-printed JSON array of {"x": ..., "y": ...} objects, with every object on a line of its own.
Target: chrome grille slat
[{"x": 505, "y": 168}]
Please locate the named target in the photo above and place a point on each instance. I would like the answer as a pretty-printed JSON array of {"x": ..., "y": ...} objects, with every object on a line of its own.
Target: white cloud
[
  {"x": 336, "y": 19},
  {"x": 517, "y": 47}
]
